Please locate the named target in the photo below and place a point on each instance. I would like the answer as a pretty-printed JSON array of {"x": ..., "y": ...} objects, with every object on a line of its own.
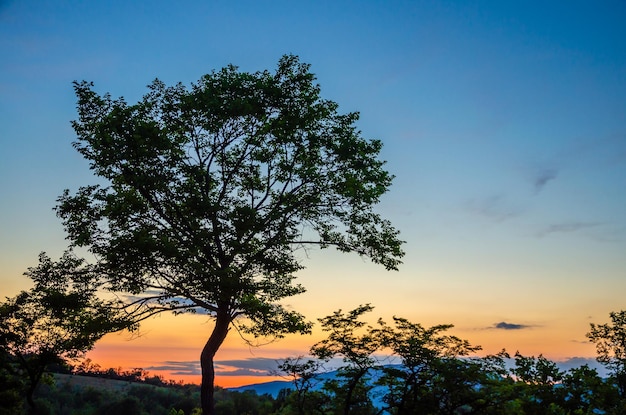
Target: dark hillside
[{"x": 98, "y": 383}]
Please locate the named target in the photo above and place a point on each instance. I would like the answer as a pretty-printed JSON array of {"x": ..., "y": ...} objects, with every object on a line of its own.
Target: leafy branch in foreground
[
  {"x": 610, "y": 341},
  {"x": 60, "y": 318}
]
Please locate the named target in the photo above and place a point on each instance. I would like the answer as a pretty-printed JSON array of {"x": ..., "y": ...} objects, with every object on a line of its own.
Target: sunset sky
[{"x": 503, "y": 122}]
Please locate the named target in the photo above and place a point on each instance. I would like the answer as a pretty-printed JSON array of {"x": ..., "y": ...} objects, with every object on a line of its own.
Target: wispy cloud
[
  {"x": 243, "y": 372},
  {"x": 542, "y": 177},
  {"x": 575, "y": 362},
  {"x": 242, "y": 367},
  {"x": 495, "y": 207},
  {"x": 256, "y": 365},
  {"x": 503, "y": 325},
  {"x": 586, "y": 341},
  {"x": 250, "y": 367},
  {"x": 566, "y": 227},
  {"x": 178, "y": 368}
]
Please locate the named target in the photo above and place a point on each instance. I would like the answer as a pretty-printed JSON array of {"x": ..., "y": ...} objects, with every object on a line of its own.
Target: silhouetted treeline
[
  {"x": 88, "y": 368},
  {"x": 435, "y": 374},
  {"x": 448, "y": 386}
]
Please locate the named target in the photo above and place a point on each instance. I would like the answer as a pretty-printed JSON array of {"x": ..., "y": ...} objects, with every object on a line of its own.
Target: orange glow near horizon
[
  {"x": 498, "y": 134},
  {"x": 170, "y": 342},
  {"x": 127, "y": 358}
]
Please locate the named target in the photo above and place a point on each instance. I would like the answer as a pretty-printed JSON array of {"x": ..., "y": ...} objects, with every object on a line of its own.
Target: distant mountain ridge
[{"x": 274, "y": 387}]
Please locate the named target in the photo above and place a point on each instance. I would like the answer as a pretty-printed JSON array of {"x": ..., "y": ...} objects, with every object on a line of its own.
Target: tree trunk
[
  {"x": 32, "y": 408},
  {"x": 34, "y": 377},
  {"x": 351, "y": 387},
  {"x": 207, "y": 398}
]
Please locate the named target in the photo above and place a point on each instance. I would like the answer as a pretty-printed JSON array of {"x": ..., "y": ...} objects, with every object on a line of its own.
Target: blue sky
[{"x": 503, "y": 122}]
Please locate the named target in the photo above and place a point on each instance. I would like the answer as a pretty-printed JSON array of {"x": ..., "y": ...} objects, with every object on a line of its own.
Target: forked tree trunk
[{"x": 207, "y": 398}]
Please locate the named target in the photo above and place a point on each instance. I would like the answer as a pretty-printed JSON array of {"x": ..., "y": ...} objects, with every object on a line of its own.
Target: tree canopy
[
  {"x": 610, "y": 341},
  {"x": 60, "y": 318},
  {"x": 211, "y": 190}
]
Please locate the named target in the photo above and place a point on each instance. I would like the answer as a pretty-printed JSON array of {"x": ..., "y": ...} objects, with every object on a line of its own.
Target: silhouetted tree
[
  {"x": 535, "y": 384},
  {"x": 587, "y": 392},
  {"x": 304, "y": 374},
  {"x": 60, "y": 318},
  {"x": 210, "y": 192},
  {"x": 11, "y": 385},
  {"x": 355, "y": 342},
  {"x": 610, "y": 341},
  {"x": 426, "y": 376}
]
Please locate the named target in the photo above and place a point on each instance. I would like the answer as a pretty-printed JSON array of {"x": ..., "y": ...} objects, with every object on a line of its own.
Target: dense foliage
[
  {"x": 431, "y": 374},
  {"x": 208, "y": 193},
  {"x": 434, "y": 374},
  {"x": 59, "y": 318},
  {"x": 66, "y": 396}
]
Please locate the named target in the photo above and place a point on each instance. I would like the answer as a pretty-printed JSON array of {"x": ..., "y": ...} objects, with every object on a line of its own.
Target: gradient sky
[{"x": 503, "y": 122}]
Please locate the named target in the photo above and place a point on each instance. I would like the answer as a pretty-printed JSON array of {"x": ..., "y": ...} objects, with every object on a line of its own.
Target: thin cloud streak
[
  {"x": 261, "y": 363},
  {"x": 543, "y": 177},
  {"x": 566, "y": 227},
  {"x": 503, "y": 325},
  {"x": 495, "y": 208},
  {"x": 190, "y": 368},
  {"x": 242, "y": 372},
  {"x": 240, "y": 367}
]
